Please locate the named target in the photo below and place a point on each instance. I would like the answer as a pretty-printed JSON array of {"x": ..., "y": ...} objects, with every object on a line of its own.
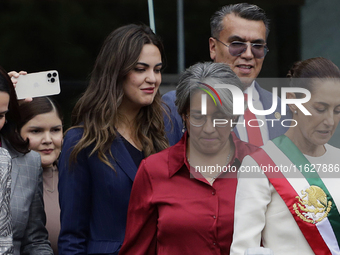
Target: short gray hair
[
  {"x": 242, "y": 10},
  {"x": 211, "y": 74}
]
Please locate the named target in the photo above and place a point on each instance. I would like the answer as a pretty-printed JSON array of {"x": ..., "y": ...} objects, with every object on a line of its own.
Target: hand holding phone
[{"x": 38, "y": 84}]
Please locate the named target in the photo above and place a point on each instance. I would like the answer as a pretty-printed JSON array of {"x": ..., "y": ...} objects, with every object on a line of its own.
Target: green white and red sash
[{"x": 323, "y": 234}]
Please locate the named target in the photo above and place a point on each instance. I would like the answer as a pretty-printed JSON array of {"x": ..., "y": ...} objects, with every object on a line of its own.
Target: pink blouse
[{"x": 52, "y": 209}]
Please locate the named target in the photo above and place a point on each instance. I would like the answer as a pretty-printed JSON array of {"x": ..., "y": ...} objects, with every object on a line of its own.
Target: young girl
[{"x": 41, "y": 125}]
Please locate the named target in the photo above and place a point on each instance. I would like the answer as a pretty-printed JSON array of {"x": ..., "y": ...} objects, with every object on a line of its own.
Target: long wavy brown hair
[{"x": 97, "y": 110}]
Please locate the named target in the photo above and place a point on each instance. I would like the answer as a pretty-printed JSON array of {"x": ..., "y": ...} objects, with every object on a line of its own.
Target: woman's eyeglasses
[{"x": 198, "y": 120}]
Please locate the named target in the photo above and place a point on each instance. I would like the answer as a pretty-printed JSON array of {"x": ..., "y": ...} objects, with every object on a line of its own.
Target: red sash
[{"x": 254, "y": 132}]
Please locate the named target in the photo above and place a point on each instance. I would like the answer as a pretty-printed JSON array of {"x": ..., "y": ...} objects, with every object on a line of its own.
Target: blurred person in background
[
  {"x": 41, "y": 125},
  {"x": 239, "y": 39},
  {"x": 6, "y": 232}
]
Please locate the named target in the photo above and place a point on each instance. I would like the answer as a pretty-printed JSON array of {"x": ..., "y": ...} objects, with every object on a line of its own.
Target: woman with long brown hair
[{"x": 115, "y": 124}]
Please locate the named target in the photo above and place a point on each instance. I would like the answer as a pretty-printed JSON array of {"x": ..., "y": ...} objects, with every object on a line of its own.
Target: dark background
[{"x": 40, "y": 35}]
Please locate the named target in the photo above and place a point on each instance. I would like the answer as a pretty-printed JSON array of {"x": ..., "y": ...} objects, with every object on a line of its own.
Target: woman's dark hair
[
  {"x": 39, "y": 105},
  {"x": 9, "y": 131},
  {"x": 313, "y": 68},
  {"x": 97, "y": 110}
]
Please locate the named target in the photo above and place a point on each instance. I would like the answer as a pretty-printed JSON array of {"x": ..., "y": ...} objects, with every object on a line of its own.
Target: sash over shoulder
[{"x": 310, "y": 203}]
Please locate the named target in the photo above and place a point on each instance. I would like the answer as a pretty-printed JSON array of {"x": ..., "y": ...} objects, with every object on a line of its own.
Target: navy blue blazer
[
  {"x": 174, "y": 134},
  {"x": 93, "y": 198}
]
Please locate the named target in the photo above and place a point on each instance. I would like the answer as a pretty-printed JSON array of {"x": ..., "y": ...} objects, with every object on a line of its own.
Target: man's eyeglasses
[{"x": 236, "y": 48}]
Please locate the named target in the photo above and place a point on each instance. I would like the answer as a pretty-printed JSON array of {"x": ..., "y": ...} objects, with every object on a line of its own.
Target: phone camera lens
[
  {"x": 54, "y": 74},
  {"x": 52, "y": 80},
  {"x": 49, "y": 75}
]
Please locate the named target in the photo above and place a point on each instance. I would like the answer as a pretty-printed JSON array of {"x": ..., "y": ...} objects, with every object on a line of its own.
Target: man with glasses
[{"x": 238, "y": 38}]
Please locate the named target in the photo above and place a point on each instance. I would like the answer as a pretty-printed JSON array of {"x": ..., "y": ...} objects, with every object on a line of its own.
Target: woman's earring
[{"x": 183, "y": 128}]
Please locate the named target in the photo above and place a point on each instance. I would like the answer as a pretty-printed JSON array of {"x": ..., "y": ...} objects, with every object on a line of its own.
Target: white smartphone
[{"x": 38, "y": 84}]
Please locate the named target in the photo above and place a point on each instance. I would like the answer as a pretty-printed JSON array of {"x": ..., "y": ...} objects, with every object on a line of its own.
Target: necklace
[
  {"x": 211, "y": 181},
  {"x": 53, "y": 188}
]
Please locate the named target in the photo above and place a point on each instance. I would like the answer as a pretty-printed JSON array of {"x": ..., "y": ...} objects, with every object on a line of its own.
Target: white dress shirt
[{"x": 241, "y": 126}]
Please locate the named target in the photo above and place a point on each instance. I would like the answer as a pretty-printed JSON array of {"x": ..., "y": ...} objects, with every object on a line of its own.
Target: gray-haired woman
[{"x": 176, "y": 206}]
